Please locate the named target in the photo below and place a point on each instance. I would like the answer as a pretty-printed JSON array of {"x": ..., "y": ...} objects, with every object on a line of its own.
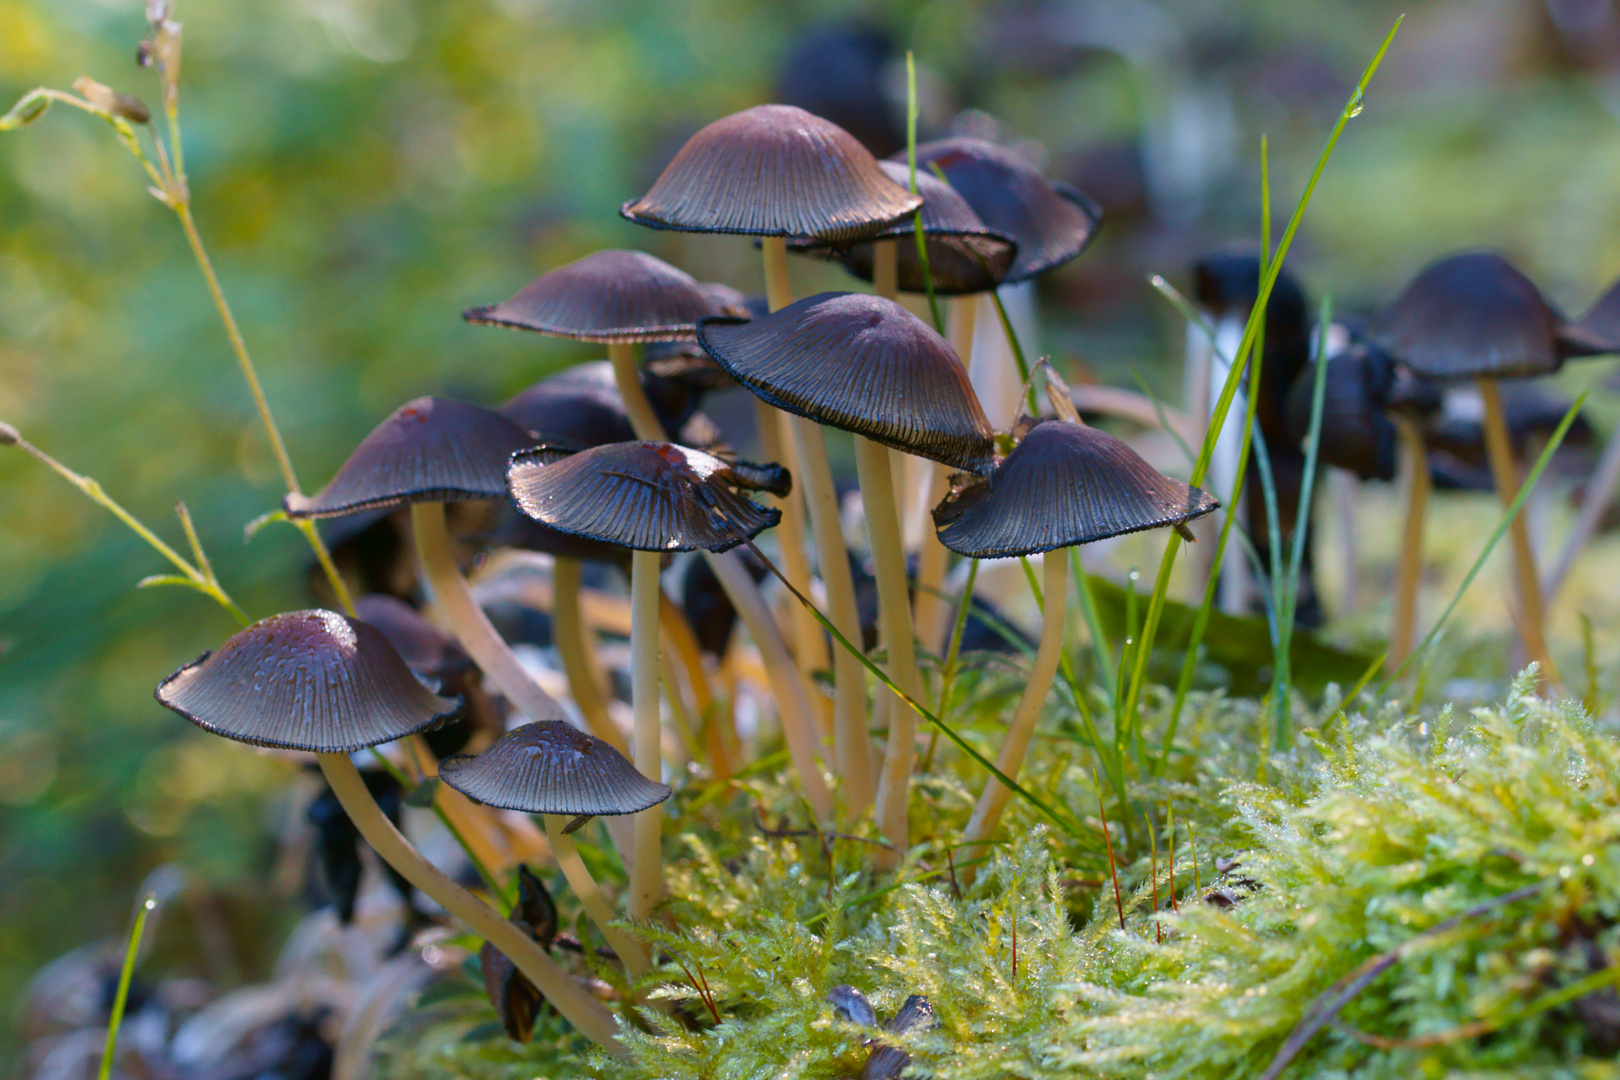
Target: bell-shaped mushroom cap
[
  {"x": 1051, "y": 223},
  {"x": 645, "y": 495},
  {"x": 419, "y": 643},
  {"x": 964, "y": 254},
  {"x": 308, "y": 680},
  {"x": 863, "y": 364},
  {"x": 609, "y": 296},
  {"x": 1598, "y": 331},
  {"x": 429, "y": 450},
  {"x": 1471, "y": 315},
  {"x": 773, "y": 170},
  {"x": 551, "y": 767},
  {"x": 1064, "y": 484},
  {"x": 1355, "y": 435}
]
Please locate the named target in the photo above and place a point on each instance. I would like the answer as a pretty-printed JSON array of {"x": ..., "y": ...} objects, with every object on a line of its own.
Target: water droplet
[{"x": 1357, "y": 103}]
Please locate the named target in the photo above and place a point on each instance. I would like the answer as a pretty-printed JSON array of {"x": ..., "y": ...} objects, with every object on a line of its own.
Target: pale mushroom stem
[
  {"x": 811, "y": 652},
  {"x": 1505, "y": 472},
  {"x": 630, "y": 951},
  {"x": 987, "y": 813},
  {"x": 821, "y": 497},
  {"x": 792, "y": 704},
  {"x": 894, "y": 615},
  {"x": 646, "y": 861},
  {"x": 454, "y": 599},
  {"x": 569, "y": 998},
  {"x": 1594, "y": 505},
  {"x": 932, "y": 558},
  {"x": 886, "y": 269},
  {"x": 1415, "y": 471},
  {"x": 574, "y": 642},
  {"x": 645, "y": 422}
]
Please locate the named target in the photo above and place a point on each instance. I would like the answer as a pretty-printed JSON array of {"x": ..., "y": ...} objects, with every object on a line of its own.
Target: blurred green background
[{"x": 365, "y": 169}]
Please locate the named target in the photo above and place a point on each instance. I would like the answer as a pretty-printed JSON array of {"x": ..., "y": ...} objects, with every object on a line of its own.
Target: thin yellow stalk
[
  {"x": 575, "y": 642},
  {"x": 645, "y": 422},
  {"x": 631, "y": 951},
  {"x": 1505, "y": 472},
  {"x": 991, "y": 804},
  {"x": 646, "y": 863},
  {"x": 569, "y": 998},
  {"x": 1415, "y": 470}
]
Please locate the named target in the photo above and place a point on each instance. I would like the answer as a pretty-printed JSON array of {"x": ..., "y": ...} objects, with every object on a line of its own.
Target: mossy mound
[{"x": 1455, "y": 881}]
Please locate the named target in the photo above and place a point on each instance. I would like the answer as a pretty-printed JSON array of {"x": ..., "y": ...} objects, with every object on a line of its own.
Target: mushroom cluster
[{"x": 611, "y": 466}]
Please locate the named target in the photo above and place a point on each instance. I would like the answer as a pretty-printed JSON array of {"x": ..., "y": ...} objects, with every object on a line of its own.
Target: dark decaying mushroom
[{"x": 515, "y": 997}]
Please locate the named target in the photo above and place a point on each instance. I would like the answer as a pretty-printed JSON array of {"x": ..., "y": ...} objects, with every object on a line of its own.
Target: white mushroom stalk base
[
  {"x": 646, "y": 867},
  {"x": 569, "y": 998},
  {"x": 454, "y": 599},
  {"x": 987, "y": 813}
]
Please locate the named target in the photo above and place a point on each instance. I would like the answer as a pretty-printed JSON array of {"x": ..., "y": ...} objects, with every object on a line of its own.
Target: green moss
[{"x": 1382, "y": 830}]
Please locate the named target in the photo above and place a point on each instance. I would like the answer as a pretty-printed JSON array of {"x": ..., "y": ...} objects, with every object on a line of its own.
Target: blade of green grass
[
  {"x": 121, "y": 996},
  {"x": 1282, "y": 676},
  {"x": 1352, "y": 108}
]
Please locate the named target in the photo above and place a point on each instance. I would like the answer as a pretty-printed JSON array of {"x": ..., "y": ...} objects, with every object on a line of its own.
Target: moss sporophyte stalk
[{"x": 754, "y": 869}]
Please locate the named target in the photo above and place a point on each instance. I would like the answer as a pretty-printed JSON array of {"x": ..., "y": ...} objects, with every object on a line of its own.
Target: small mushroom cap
[
  {"x": 964, "y": 254},
  {"x": 645, "y": 495},
  {"x": 1050, "y": 223},
  {"x": 609, "y": 296},
  {"x": 1064, "y": 484},
  {"x": 428, "y": 450},
  {"x": 551, "y": 767},
  {"x": 773, "y": 170},
  {"x": 1471, "y": 315},
  {"x": 863, "y": 364},
  {"x": 308, "y": 680}
]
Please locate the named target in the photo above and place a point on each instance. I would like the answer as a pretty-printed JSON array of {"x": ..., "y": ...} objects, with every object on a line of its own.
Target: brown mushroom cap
[
  {"x": 307, "y": 680},
  {"x": 1051, "y": 223},
  {"x": 422, "y": 646},
  {"x": 964, "y": 254},
  {"x": 863, "y": 364},
  {"x": 428, "y": 450},
  {"x": 1470, "y": 315},
  {"x": 773, "y": 170},
  {"x": 609, "y": 296},
  {"x": 1064, "y": 484},
  {"x": 551, "y": 767},
  {"x": 647, "y": 496}
]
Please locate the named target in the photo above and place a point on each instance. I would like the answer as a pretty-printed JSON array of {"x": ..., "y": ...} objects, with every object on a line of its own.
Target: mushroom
[
  {"x": 553, "y": 769},
  {"x": 1064, "y": 484},
  {"x": 655, "y": 498},
  {"x": 1473, "y": 315},
  {"x": 775, "y": 171},
  {"x": 319, "y": 682},
  {"x": 866, "y": 365}
]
